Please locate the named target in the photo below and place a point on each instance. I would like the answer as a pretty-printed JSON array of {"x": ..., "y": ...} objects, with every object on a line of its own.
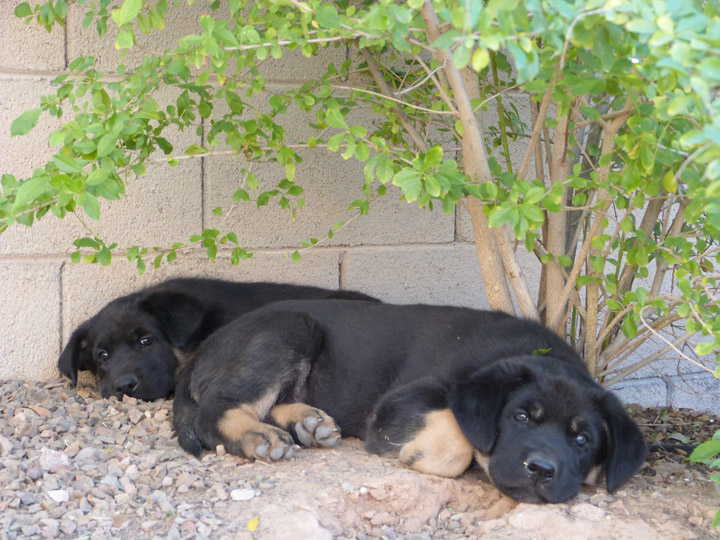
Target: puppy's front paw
[{"x": 310, "y": 426}]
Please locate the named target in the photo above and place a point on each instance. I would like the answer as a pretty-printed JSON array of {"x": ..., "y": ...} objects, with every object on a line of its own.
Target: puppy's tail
[{"x": 185, "y": 410}]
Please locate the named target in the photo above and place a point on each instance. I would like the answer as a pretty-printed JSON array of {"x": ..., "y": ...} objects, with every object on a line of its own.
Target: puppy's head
[
  {"x": 542, "y": 427},
  {"x": 131, "y": 344}
]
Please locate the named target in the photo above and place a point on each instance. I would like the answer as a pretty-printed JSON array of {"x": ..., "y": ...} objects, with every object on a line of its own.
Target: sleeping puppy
[
  {"x": 438, "y": 387},
  {"x": 133, "y": 344}
]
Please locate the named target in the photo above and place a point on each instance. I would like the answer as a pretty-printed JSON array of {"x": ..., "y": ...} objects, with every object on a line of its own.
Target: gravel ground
[{"x": 73, "y": 465}]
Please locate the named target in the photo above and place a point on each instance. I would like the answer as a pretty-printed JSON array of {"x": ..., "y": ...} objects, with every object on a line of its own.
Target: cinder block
[
  {"x": 179, "y": 22},
  {"x": 159, "y": 208},
  {"x": 20, "y": 156},
  {"x": 645, "y": 392},
  {"x": 30, "y": 322},
  {"x": 331, "y": 184},
  {"x": 29, "y": 47},
  {"x": 87, "y": 288},
  {"x": 443, "y": 274},
  {"x": 293, "y": 66}
]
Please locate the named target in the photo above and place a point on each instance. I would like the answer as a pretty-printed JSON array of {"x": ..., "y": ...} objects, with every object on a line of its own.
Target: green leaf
[
  {"x": 705, "y": 451},
  {"x": 241, "y": 195},
  {"x": 670, "y": 182},
  {"x": 640, "y": 26},
  {"x": 91, "y": 205},
  {"x": 127, "y": 12},
  {"x": 335, "y": 119},
  {"x": 433, "y": 157},
  {"x": 629, "y": 327},
  {"x": 97, "y": 177},
  {"x": 461, "y": 56},
  {"x": 106, "y": 144},
  {"x": 66, "y": 163},
  {"x": 125, "y": 39},
  {"x": 25, "y": 122},
  {"x": 410, "y": 182},
  {"x": 157, "y": 20},
  {"x": 194, "y": 150},
  {"x": 506, "y": 212},
  {"x": 23, "y": 10},
  {"x": 327, "y": 16},
  {"x": 30, "y": 190},
  {"x": 705, "y": 347},
  {"x": 362, "y": 152},
  {"x": 104, "y": 257},
  {"x": 480, "y": 59}
]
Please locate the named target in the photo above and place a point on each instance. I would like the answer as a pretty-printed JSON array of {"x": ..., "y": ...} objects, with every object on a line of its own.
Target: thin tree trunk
[
  {"x": 478, "y": 168},
  {"x": 560, "y": 167}
]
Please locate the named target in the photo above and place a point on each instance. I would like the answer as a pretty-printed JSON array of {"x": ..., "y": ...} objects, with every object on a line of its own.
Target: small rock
[
  {"x": 159, "y": 496},
  {"x": 221, "y": 492},
  {"x": 110, "y": 480},
  {"x": 53, "y": 460},
  {"x": 5, "y": 446},
  {"x": 59, "y": 495},
  {"x": 242, "y": 494},
  {"x": 68, "y": 526},
  {"x": 87, "y": 454},
  {"x": 588, "y": 511}
]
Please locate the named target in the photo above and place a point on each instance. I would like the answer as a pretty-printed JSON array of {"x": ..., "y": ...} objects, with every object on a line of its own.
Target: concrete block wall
[{"x": 398, "y": 253}]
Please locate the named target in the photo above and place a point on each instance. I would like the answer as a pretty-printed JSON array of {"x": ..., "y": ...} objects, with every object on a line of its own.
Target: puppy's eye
[
  {"x": 103, "y": 356},
  {"x": 521, "y": 417},
  {"x": 581, "y": 439},
  {"x": 145, "y": 341}
]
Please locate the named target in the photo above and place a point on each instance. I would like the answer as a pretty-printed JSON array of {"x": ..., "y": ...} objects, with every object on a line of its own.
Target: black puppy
[
  {"x": 437, "y": 386},
  {"x": 134, "y": 344}
]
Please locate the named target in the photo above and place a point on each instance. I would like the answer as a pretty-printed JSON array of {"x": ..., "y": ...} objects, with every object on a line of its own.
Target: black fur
[
  {"x": 145, "y": 333},
  {"x": 519, "y": 393}
]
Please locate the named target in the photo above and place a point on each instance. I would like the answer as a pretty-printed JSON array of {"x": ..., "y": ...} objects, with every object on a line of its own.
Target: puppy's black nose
[
  {"x": 540, "y": 469},
  {"x": 126, "y": 384}
]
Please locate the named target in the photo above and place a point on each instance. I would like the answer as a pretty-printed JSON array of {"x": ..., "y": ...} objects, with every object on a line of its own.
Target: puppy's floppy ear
[
  {"x": 76, "y": 355},
  {"x": 626, "y": 449},
  {"x": 478, "y": 402},
  {"x": 180, "y": 315}
]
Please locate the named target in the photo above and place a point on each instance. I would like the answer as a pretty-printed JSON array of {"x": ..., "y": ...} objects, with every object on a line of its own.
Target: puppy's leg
[
  {"x": 185, "y": 409},
  {"x": 244, "y": 434},
  {"x": 244, "y": 370},
  {"x": 415, "y": 422},
  {"x": 308, "y": 425}
]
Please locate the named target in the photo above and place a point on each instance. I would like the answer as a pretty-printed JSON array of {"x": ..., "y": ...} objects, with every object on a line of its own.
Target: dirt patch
[{"x": 73, "y": 465}]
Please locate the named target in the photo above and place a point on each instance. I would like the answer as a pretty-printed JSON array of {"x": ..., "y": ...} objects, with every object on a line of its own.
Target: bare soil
[{"x": 73, "y": 465}]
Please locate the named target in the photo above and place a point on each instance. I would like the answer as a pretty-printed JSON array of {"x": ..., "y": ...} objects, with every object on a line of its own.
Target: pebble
[
  {"x": 242, "y": 494},
  {"x": 59, "y": 495}
]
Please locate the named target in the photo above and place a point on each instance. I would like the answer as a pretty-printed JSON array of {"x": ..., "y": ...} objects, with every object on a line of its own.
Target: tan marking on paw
[
  {"x": 235, "y": 422},
  {"x": 438, "y": 448},
  {"x": 289, "y": 414}
]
